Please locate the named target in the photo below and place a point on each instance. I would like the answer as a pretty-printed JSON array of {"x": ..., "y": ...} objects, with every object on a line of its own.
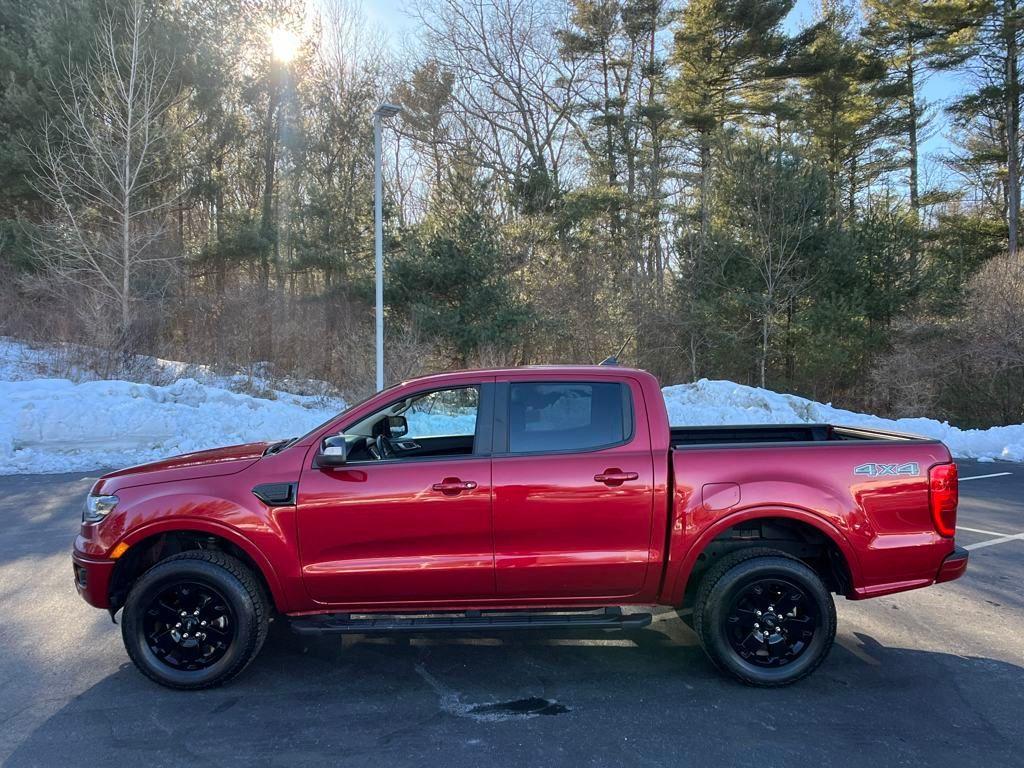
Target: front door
[
  {"x": 573, "y": 489},
  {"x": 408, "y": 518}
]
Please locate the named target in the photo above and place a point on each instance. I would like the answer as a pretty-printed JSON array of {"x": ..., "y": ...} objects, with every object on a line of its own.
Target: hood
[{"x": 188, "y": 466}]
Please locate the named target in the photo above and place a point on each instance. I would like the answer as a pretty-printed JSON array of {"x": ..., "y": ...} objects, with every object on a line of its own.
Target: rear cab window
[{"x": 559, "y": 417}]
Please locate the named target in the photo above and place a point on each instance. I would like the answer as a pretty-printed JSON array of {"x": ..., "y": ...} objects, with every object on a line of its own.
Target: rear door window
[{"x": 568, "y": 416}]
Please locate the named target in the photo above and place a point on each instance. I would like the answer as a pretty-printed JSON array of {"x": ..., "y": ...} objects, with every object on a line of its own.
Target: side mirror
[
  {"x": 333, "y": 452},
  {"x": 397, "y": 426}
]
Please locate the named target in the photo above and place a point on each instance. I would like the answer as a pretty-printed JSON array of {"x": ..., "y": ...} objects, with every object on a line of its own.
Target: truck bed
[
  {"x": 787, "y": 434},
  {"x": 870, "y": 487}
]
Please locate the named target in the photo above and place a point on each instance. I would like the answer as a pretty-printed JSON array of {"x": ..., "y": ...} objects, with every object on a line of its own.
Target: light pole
[{"x": 384, "y": 112}]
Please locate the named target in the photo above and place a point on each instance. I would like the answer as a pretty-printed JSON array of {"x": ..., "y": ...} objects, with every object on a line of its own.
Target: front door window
[{"x": 435, "y": 424}]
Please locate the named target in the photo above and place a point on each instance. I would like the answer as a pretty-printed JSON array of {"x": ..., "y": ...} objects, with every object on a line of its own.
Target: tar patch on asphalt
[{"x": 527, "y": 707}]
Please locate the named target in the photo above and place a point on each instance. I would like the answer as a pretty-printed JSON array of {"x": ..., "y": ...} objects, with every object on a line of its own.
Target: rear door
[{"x": 573, "y": 488}]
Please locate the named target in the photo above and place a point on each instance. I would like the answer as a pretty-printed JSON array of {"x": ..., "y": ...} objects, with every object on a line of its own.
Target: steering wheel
[{"x": 383, "y": 445}]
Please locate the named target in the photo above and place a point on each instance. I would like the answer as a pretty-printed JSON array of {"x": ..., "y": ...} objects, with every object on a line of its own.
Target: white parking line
[
  {"x": 1000, "y": 540},
  {"x": 981, "y": 530},
  {"x": 982, "y": 477}
]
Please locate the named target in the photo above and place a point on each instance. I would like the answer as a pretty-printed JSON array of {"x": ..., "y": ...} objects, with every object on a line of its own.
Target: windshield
[{"x": 351, "y": 408}]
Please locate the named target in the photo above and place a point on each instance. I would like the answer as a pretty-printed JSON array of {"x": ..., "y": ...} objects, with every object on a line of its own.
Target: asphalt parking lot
[{"x": 932, "y": 677}]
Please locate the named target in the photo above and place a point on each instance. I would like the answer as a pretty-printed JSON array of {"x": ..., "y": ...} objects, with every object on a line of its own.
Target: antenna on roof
[{"x": 614, "y": 359}]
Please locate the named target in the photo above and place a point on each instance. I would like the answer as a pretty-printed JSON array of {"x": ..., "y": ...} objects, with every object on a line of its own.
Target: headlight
[{"x": 98, "y": 507}]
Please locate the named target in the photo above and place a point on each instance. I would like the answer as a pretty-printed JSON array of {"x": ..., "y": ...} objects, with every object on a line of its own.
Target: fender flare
[
  {"x": 677, "y": 585},
  {"x": 177, "y": 524}
]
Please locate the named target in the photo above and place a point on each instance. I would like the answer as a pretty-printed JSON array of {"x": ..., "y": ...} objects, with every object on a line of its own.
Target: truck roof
[{"x": 568, "y": 370}]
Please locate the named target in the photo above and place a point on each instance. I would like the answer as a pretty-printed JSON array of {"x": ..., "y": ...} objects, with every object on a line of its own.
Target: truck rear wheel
[
  {"x": 195, "y": 620},
  {"x": 764, "y": 617}
]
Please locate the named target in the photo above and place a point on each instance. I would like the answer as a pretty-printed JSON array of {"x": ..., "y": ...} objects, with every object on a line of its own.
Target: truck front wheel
[
  {"x": 764, "y": 617},
  {"x": 195, "y": 620}
]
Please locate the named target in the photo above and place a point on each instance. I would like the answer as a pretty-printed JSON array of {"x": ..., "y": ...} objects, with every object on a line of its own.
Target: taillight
[{"x": 943, "y": 496}]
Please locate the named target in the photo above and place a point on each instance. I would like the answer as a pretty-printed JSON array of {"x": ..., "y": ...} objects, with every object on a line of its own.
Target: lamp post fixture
[{"x": 384, "y": 112}]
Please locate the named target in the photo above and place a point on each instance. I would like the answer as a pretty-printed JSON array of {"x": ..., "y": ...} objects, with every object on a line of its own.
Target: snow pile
[
  {"x": 56, "y": 425},
  {"x": 724, "y": 402},
  {"x": 78, "y": 363}
]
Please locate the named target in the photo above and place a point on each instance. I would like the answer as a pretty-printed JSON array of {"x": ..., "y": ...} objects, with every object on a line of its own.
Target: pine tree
[
  {"x": 844, "y": 118},
  {"x": 724, "y": 49},
  {"x": 452, "y": 281},
  {"x": 901, "y": 33},
  {"x": 621, "y": 121},
  {"x": 38, "y": 42},
  {"x": 983, "y": 38}
]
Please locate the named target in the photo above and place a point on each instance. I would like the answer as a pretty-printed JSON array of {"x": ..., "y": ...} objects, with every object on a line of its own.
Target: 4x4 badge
[{"x": 883, "y": 470}]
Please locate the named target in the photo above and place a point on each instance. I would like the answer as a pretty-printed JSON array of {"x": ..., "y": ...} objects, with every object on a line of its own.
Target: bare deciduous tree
[
  {"x": 996, "y": 315},
  {"x": 512, "y": 88},
  {"x": 104, "y": 171}
]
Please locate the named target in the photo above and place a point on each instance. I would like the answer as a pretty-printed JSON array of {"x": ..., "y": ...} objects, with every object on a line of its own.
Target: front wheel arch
[{"x": 148, "y": 547}]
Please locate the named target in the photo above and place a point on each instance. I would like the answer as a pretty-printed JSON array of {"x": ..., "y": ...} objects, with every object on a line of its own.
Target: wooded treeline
[{"x": 702, "y": 183}]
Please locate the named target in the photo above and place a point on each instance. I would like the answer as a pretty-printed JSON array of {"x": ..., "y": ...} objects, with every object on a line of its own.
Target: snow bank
[
  {"x": 56, "y": 425},
  {"x": 57, "y": 414},
  {"x": 724, "y": 402},
  {"x": 22, "y": 362}
]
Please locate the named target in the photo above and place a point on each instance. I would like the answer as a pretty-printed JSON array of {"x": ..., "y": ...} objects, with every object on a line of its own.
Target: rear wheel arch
[
  {"x": 154, "y": 544},
  {"x": 793, "y": 532}
]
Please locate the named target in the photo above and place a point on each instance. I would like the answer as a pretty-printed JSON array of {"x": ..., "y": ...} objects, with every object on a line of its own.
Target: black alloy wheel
[
  {"x": 189, "y": 626},
  {"x": 764, "y": 617},
  {"x": 770, "y": 622},
  {"x": 195, "y": 620}
]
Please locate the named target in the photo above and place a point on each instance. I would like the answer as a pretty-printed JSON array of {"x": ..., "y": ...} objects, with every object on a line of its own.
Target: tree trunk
[
  {"x": 915, "y": 201},
  {"x": 267, "y": 228},
  {"x": 705, "y": 187},
  {"x": 851, "y": 198},
  {"x": 126, "y": 236},
  {"x": 790, "y": 357},
  {"x": 693, "y": 357},
  {"x": 657, "y": 255},
  {"x": 609, "y": 142},
  {"x": 126, "y": 306},
  {"x": 655, "y": 194},
  {"x": 1012, "y": 126},
  {"x": 220, "y": 268},
  {"x": 269, "y": 160},
  {"x": 764, "y": 348}
]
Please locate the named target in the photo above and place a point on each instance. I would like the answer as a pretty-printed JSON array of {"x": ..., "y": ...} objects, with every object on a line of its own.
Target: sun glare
[{"x": 284, "y": 44}]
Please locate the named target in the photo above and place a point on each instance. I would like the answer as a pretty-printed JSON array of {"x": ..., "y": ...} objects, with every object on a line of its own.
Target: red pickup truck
[{"x": 510, "y": 499}]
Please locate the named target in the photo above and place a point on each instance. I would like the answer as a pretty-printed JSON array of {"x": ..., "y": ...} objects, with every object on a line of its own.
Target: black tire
[
  {"x": 221, "y": 586},
  {"x": 783, "y": 653}
]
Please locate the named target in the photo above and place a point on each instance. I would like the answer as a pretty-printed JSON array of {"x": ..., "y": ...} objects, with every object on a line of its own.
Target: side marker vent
[{"x": 276, "y": 494}]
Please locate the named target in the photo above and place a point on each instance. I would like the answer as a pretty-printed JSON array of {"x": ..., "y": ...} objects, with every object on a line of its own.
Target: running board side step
[{"x": 471, "y": 621}]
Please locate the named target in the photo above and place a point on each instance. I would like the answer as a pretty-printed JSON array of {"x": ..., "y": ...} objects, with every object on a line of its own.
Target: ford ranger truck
[{"x": 512, "y": 499}]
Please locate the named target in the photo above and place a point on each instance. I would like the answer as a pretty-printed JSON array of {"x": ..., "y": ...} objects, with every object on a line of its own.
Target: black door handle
[
  {"x": 615, "y": 476},
  {"x": 451, "y": 486}
]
